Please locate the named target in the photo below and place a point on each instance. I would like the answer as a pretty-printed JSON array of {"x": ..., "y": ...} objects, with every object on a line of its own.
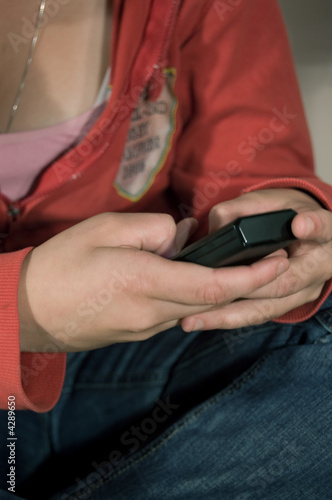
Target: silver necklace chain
[{"x": 27, "y": 67}]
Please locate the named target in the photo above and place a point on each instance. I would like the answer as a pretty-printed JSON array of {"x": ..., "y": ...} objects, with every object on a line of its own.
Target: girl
[{"x": 123, "y": 124}]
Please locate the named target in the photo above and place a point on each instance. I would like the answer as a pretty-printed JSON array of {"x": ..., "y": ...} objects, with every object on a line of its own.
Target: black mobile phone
[{"x": 243, "y": 241}]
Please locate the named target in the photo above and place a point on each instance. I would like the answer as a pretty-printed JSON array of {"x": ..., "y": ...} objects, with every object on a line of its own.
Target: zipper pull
[
  {"x": 155, "y": 84},
  {"x": 13, "y": 211}
]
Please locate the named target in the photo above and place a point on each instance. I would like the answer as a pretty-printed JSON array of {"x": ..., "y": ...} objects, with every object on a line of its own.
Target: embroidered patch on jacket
[{"x": 148, "y": 142}]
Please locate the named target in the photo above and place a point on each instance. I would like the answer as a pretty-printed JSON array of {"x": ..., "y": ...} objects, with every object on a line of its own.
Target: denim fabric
[{"x": 227, "y": 415}]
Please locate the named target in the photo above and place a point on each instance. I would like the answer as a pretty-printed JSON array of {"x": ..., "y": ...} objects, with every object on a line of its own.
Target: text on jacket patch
[{"x": 148, "y": 141}]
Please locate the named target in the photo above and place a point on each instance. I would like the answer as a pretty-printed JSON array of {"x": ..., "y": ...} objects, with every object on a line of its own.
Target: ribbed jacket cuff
[{"x": 35, "y": 379}]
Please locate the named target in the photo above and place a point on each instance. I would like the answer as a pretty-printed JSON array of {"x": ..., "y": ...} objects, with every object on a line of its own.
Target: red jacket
[{"x": 205, "y": 105}]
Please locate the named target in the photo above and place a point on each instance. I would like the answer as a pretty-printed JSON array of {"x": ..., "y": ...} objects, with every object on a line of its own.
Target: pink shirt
[{"x": 24, "y": 155}]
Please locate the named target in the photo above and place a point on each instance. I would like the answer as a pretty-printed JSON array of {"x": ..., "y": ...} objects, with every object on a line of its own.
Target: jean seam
[
  {"x": 175, "y": 428},
  {"x": 325, "y": 325}
]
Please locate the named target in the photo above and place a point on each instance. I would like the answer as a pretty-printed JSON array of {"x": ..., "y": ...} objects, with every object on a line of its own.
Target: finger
[
  {"x": 171, "y": 290},
  {"x": 278, "y": 253},
  {"x": 152, "y": 232},
  {"x": 305, "y": 272},
  {"x": 245, "y": 313},
  {"x": 184, "y": 230},
  {"x": 238, "y": 314},
  {"x": 192, "y": 284},
  {"x": 247, "y": 204},
  {"x": 300, "y": 275},
  {"x": 313, "y": 225}
]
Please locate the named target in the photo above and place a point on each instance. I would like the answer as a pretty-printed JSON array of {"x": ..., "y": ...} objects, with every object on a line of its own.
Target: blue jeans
[{"x": 221, "y": 415}]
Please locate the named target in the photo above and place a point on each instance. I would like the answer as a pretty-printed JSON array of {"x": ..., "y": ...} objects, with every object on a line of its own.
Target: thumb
[
  {"x": 144, "y": 231},
  {"x": 313, "y": 225},
  {"x": 184, "y": 230}
]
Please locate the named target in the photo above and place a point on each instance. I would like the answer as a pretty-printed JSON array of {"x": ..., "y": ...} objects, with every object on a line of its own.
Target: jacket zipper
[{"x": 15, "y": 208}]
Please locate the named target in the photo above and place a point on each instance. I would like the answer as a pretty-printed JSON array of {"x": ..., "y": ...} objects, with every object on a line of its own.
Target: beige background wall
[{"x": 309, "y": 24}]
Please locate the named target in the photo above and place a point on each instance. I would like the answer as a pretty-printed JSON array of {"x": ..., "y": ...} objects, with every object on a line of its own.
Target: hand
[
  {"x": 310, "y": 260},
  {"x": 105, "y": 280}
]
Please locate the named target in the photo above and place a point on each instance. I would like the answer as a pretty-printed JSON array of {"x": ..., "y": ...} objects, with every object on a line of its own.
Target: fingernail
[
  {"x": 198, "y": 325},
  {"x": 194, "y": 325}
]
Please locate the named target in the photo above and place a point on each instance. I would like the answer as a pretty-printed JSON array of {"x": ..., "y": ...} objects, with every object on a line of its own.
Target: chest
[{"x": 69, "y": 61}]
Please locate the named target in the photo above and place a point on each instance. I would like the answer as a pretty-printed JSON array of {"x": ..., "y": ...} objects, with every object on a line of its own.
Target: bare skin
[
  {"x": 73, "y": 47},
  {"x": 105, "y": 280},
  {"x": 310, "y": 260}
]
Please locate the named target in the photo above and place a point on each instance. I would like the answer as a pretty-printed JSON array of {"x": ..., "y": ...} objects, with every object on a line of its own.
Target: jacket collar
[{"x": 142, "y": 31}]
